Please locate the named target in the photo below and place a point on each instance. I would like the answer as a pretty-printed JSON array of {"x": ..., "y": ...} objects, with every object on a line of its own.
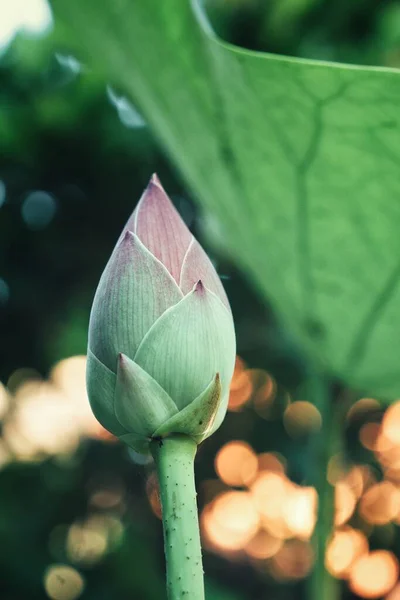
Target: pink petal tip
[
  {"x": 128, "y": 236},
  {"x": 156, "y": 180},
  {"x": 121, "y": 359},
  {"x": 199, "y": 287}
]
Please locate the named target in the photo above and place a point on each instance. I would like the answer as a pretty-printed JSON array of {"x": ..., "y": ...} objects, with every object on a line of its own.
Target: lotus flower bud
[{"x": 161, "y": 337}]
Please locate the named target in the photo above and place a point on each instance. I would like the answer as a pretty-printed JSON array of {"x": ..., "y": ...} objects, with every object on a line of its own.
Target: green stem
[
  {"x": 323, "y": 446},
  {"x": 174, "y": 458}
]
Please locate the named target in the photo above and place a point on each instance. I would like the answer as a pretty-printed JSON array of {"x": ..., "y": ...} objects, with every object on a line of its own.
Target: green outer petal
[
  {"x": 220, "y": 416},
  {"x": 188, "y": 344},
  {"x": 100, "y": 383},
  {"x": 134, "y": 290},
  {"x": 197, "y": 418},
  {"x": 141, "y": 405},
  {"x": 139, "y": 443}
]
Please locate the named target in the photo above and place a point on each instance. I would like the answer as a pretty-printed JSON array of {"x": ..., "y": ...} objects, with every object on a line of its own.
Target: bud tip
[
  {"x": 155, "y": 180},
  {"x": 121, "y": 359},
  {"x": 128, "y": 236},
  {"x": 199, "y": 287}
]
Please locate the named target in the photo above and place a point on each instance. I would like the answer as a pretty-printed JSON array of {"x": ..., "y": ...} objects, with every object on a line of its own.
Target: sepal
[
  {"x": 141, "y": 405},
  {"x": 100, "y": 383},
  {"x": 196, "y": 419}
]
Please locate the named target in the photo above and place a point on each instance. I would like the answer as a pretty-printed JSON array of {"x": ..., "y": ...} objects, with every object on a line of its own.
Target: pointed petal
[
  {"x": 188, "y": 344},
  {"x": 197, "y": 418},
  {"x": 220, "y": 414},
  {"x": 197, "y": 265},
  {"x": 101, "y": 383},
  {"x": 159, "y": 226},
  {"x": 141, "y": 405},
  {"x": 134, "y": 290}
]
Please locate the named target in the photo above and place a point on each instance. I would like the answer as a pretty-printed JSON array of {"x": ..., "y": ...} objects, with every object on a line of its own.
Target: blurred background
[{"x": 79, "y": 513}]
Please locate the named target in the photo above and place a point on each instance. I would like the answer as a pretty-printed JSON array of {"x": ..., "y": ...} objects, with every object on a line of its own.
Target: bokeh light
[
  {"x": 33, "y": 16},
  {"x": 264, "y": 393},
  {"x": 48, "y": 417},
  {"x": 62, "y": 582},
  {"x": 89, "y": 540},
  {"x": 270, "y": 490},
  {"x": 241, "y": 386},
  {"x": 363, "y": 408},
  {"x": 301, "y": 418},
  {"x": 381, "y": 503},
  {"x": 300, "y": 511},
  {"x": 394, "y": 594},
  {"x": 38, "y": 210},
  {"x": 345, "y": 503},
  {"x": 369, "y": 435},
  {"x": 373, "y": 575},
  {"x": 263, "y": 545},
  {"x": 293, "y": 561},
  {"x": 344, "y": 548},
  {"x": 4, "y": 401},
  {"x": 230, "y": 521},
  {"x": 391, "y": 424},
  {"x": 271, "y": 461},
  {"x": 236, "y": 463}
]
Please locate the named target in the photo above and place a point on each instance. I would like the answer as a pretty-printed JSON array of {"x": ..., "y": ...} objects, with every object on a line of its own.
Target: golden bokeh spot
[
  {"x": 62, "y": 582},
  {"x": 293, "y": 561},
  {"x": 236, "y": 463},
  {"x": 301, "y": 418},
  {"x": 300, "y": 511},
  {"x": 369, "y": 435},
  {"x": 270, "y": 491},
  {"x": 230, "y": 521},
  {"x": 380, "y": 503},
  {"x": 271, "y": 461},
  {"x": 264, "y": 391},
  {"x": 86, "y": 543},
  {"x": 375, "y": 574},
  {"x": 240, "y": 364},
  {"x": 4, "y": 401},
  {"x": 42, "y": 423},
  {"x": 69, "y": 373},
  {"x": 363, "y": 407},
  {"x": 337, "y": 469},
  {"x": 345, "y": 503},
  {"x": 107, "y": 498},
  {"x": 263, "y": 545},
  {"x": 344, "y": 548},
  {"x": 394, "y": 594},
  {"x": 393, "y": 474},
  {"x": 358, "y": 478},
  {"x": 50, "y": 417},
  {"x": 240, "y": 390},
  {"x": 391, "y": 424},
  {"x": 385, "y": 450},
  {"x": 69, "y": 376},
  {"x": 21, "y": 376}
]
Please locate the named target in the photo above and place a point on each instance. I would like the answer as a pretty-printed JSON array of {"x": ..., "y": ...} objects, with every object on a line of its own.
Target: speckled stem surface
[{"x": 174, "y": 458}]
